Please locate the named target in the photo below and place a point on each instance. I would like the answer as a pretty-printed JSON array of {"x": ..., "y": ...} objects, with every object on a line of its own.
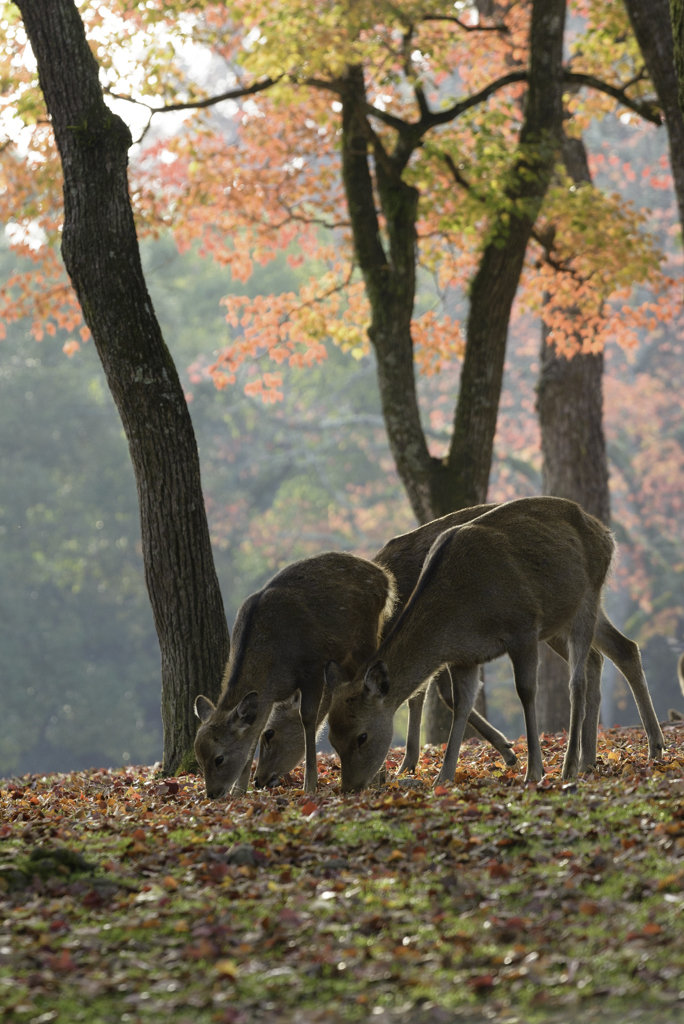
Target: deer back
[
  {"x": 518, "y": 572},
  {"x": 403, "y": 556}
]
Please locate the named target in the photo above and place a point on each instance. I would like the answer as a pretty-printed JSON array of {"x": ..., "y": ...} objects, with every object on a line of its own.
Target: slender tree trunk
[
  {"x": 570, "y": 409},
  {"x": 390, "y": 280},
  {"x": 438, "y": 486},
  {"x": 100, "y": 251},
  {"x": 653, "y": 30}
]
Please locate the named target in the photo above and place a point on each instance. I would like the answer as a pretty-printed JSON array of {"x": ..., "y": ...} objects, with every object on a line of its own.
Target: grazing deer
[
  {"x": 282, "y": 639},
  {"x": 525, "y": 571},
  {"x": 281, "y": 745}
]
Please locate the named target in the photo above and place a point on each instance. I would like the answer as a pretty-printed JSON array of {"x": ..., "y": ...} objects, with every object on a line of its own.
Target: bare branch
[
  {"x": 645, "y": 108},
  {"x": 458, "y": 177},
  {"x": 466, "y": 28},
  {"x": 432, "y": 118},
  {"x": 232, "y": 94}
]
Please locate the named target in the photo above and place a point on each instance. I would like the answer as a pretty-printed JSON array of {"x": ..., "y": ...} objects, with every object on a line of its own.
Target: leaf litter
[{"x": 127, "y": 897}]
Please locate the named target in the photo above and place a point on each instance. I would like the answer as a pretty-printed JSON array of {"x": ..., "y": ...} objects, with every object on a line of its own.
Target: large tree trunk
[
  {"x": 100, "y": 251},
  {"x": 390, "y": 281},
  {"x": 653, "y": 30},
  {"x": 570, "y": 409},
  {"x": 677, "y": 28},
  {"x": 434, "y": 486},
  {"x": 438, "y": 486}
]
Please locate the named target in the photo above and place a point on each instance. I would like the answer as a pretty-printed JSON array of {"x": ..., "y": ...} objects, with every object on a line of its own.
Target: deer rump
[
  {"x": 281, "y": 745},
  {"x": 523, "y": 572}
]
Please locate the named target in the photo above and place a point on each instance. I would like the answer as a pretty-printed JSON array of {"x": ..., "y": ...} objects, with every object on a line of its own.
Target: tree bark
[
  {"x": 677, "y": 28},
  {"x": 652, "y": 27},
  {"x": 390, "y": 281},
  {"x": 438, "y": 486},
  {"x": 100, "y": 251},
  {"x": 575, "y": 466}
]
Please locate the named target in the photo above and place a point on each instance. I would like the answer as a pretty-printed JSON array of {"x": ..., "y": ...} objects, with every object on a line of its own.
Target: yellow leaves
[
  {"x": 599, "y": 251},
  {"x": 227, "y": 969}
]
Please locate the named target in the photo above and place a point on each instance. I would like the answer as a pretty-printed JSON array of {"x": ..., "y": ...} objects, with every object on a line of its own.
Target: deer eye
[
  {"x": 269, "y": 734},
  {"x": 362, "y": 739},
  {"x": 218, "y": 761}
]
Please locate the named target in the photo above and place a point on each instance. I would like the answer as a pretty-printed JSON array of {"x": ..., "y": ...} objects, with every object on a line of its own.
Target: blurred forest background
[{"x": 79, "y": 660}]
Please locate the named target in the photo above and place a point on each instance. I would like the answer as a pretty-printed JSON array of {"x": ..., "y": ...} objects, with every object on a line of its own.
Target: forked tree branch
[
  {"x": 647, "y": 109},
  {"x": 467, "y": 28},
  {"x": 231, "y": 94}
]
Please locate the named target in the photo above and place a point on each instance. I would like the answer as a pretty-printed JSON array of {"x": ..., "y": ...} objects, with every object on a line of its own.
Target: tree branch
[
  {"x": 232, "y": 94},
  {"x": 467, "y": 28},
  {"x": 645, "y": 108},
  {"x": 429, "y": 119}
]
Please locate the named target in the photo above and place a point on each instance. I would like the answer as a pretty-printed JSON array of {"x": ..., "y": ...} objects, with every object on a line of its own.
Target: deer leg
[
  {"x": 413, "y": 733},
  {"x": 493, "y": 736},
  {"x": 465, "y": 684},
  {"x": 581, "y": 635},
  {"x": 592, "y": 710},
  {"x": 308, "y": 709},
  {"x": 624, "y": 653},
  {"x": 240, "y": 787},
  {"x": 476, "y": 720},
  {"x": 525, "y": 661}
]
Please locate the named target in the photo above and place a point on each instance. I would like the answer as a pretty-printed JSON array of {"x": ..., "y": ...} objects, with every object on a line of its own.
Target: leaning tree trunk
[
  {"x": 100, "y": 251},
  {"x": 653, "y": 30},
  {"x": 570, "y": 409}
]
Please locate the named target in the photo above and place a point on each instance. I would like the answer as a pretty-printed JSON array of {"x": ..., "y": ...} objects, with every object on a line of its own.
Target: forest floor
[{"x": 126, "y": 897}]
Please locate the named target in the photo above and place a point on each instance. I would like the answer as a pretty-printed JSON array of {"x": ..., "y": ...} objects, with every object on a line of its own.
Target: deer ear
[
  {"x": 377, "y": 681},
  {"x": 292, "y": 702},
  {"x": 204, "y": 709},
  {"x": 334, "y": 676},
  {"x": 248, "y": 707}
]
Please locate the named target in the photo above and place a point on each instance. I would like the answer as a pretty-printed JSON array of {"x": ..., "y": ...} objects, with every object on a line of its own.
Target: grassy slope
[{"x": 492, "y": 900}]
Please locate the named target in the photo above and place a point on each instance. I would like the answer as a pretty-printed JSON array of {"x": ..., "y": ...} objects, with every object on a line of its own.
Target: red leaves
[
  {"x": 482, "y": 984},
  {"x": 93, "y": 900},
  {"x": 62, "y": 962}
]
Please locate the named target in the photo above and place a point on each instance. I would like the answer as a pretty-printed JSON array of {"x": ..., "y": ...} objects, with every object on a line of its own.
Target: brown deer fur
[
  {"x": 282, "y": 639},
  {"x": 281, "y": 745},
  {"x": 526, "y": 571}
]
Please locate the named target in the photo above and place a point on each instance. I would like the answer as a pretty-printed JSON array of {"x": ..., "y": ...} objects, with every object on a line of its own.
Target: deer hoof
[
  {"x": 407, "y": 768},
  {"x": 510, "y": 758}
]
